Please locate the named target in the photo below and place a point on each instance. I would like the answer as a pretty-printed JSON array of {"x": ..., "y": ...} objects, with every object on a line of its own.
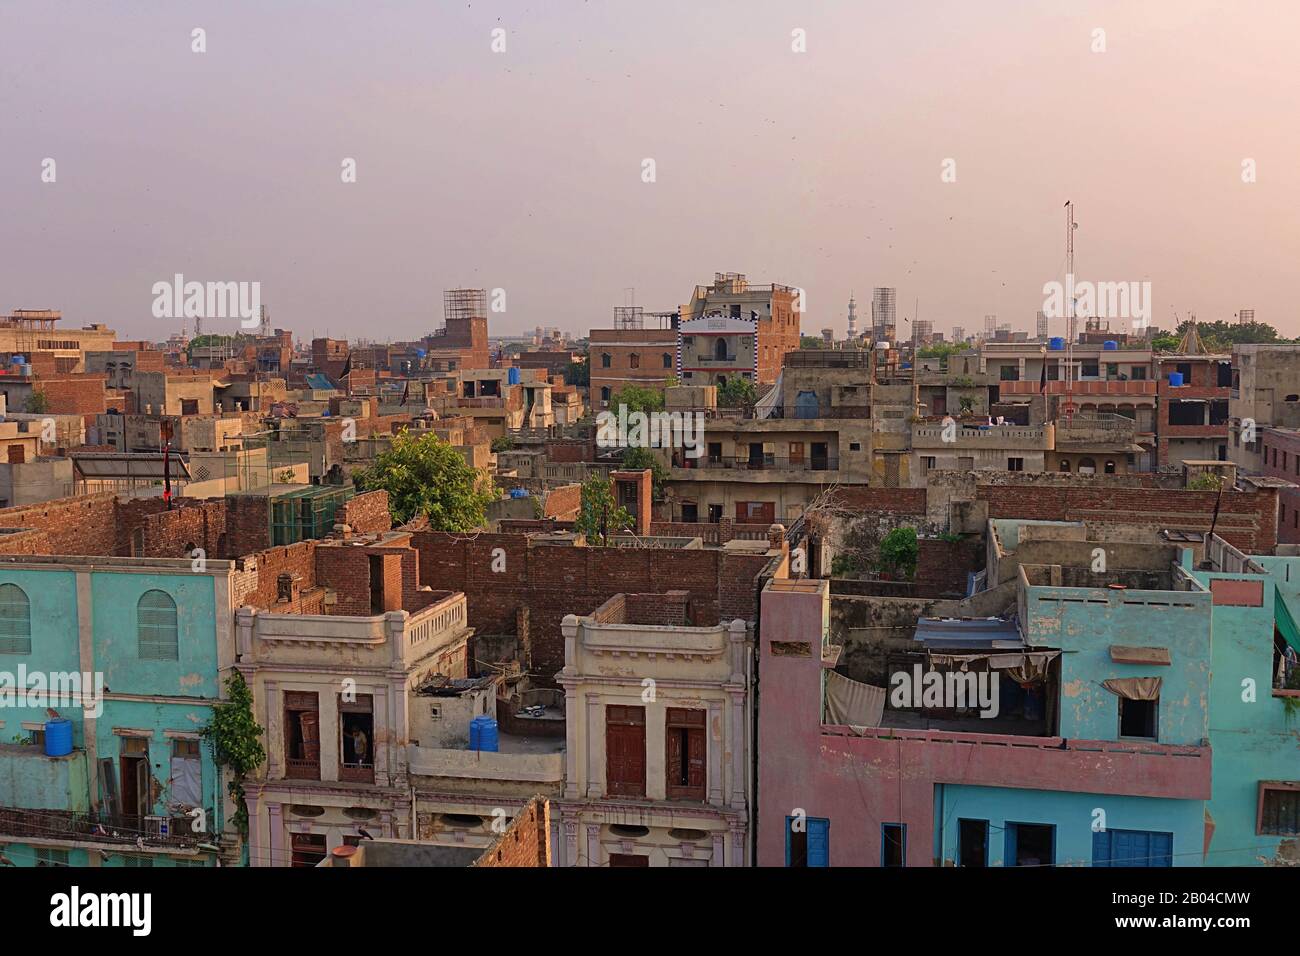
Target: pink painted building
[{"x": 869, "y": 796}]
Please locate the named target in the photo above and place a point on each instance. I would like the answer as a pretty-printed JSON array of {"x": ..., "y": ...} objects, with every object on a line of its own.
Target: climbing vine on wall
[{"x": 237, "y": 742}]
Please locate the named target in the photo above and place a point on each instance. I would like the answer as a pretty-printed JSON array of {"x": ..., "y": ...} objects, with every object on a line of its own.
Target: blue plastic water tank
[
  {"x": 1175, "y": 379},
  {"x": 518, "y": 492},
  {"x": 1056, "y": 344},
  {"x": 483, "y": 734},
  {"x": 1110, "y": 345},
  {"x": 58, "y": 737},
  {"x": 512, "y": 376},
  {"x": 16, "y": 360}
]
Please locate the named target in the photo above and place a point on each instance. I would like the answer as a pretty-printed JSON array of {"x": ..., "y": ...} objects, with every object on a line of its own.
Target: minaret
[{"x": 853, "y": 317}]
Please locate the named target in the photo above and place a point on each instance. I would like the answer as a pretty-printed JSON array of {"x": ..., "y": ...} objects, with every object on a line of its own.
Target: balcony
[
  {"x": 297, "y": 768},
  {"x": 531, "y": 760},
  {"x": 17, "y": 824},
  {"x": 1095, "y": 431},
  {"x": 29, "y": 778},
  {"x": 1129, "y": 388},
  {"x": 765, "y": 463},
  {"x": 394, "y": 637},
  {"x": 929, "y": 435}
]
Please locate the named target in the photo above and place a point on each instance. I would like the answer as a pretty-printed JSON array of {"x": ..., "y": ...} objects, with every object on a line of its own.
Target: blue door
[
  {"x": 1132, "y": 848},
  {"x": 812, "y": 847}
]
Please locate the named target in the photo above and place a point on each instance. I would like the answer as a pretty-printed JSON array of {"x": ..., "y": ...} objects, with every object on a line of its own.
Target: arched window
[
  {"x": 156, "y": 625},
  {"x": 15, "y": 620},
  {"x": 720, "y": 349},
  {"x": 604, "y": 393},
  {"x": 604, "y": 360},
  {"x": 1087, "y": 466},
  {"x": 1065, "y": 464},
  {"x": 668, "y": 360},
  {"x": 634, "y": 360},
  {"x": 1110, "y": 467}
]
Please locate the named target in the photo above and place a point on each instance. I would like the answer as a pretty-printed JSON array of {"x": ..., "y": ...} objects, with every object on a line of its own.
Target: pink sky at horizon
[{"x": 522, "y": 170}]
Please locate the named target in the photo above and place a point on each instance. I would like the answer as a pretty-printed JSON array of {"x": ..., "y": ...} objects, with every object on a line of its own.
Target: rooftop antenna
[{"x": 1070, "y": 226}]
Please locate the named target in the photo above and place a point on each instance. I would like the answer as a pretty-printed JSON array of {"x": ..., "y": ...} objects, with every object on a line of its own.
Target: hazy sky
[{"x": 522, "y": 170}]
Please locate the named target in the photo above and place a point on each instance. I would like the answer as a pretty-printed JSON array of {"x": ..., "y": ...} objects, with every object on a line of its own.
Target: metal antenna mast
[{"x": 1069, "y": 306}]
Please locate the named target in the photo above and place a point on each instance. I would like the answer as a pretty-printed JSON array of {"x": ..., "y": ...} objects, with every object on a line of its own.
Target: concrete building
[
  {"x": 657, "y": 751},
  {"x": 714, "y": 350},
  {"x": 1022, "y": 788},
  {"x": 769, "y": 310},
  {"x": 1265, "y": 392},
  {"x": 157, "y": 632}
]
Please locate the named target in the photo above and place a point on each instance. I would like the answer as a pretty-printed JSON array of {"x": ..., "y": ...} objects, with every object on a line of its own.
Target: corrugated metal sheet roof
[{"x": 983, "y": 633}]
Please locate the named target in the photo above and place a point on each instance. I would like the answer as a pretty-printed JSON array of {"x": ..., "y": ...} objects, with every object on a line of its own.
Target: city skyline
[{"x": 938, "y": 166}]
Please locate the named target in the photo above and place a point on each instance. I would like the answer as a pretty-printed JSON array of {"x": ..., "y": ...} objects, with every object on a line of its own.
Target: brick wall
[
  {"x": 563, "y": 502},
  {"x": 569, "y": 451},
  {"x": 366, "y": 513},
  {"x": 84, "y": 525},
  {"x": 526, "y": 842},
  {"x": 347, "y": 571},
  {"x": 942, "y": 566},
  {"x": 1247, "y": 520},
  {"x": 255, "y": 580},
  {"x": 74, "y": 394},
  {"x": 552, "y": 581},
  {"x": 248, "y": 524},
  {"x": 146, "y": 529}
]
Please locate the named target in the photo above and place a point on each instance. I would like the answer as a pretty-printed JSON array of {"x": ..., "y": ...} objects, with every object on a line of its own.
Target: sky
[{"x": 834, "y": 146}]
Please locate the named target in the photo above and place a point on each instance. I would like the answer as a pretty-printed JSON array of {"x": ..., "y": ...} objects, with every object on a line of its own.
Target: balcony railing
[
  {"x": 766, "y": 463},
  {"x": 296, "y": 768},
  {"x": 97, "y": 828},
  {"x": 357, "y": 772}
]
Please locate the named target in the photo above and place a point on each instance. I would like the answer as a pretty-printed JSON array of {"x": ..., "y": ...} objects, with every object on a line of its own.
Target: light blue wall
[
  {"x": 1085, "y": 622},
  {"x": 1252, "y": 740},
  {"x": 1073, "y": 816},
  {"x": 53, "y": 599},
  {"x": 192, "y": 681}
]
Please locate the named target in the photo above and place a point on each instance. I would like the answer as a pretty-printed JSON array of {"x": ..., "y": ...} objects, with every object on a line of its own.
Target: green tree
[
  {"x": 811, "y": 342},
  {"x": 504, "y": 443},
  {"x": 941, "y": 350},
  {"x": 202, "y": 341},
  {"x": 236, "y": 742},
  {"x": 899, "y": 551},
  {"x": 598, "y": 514},
  {"x": 637, "y": 399},
  {"x": 737, "y": 393},
  {"x": 426, "y": 476},
  {"x": 638, "y": 459},
  {"x": 38, "y": 403},
  {"x": 1165, "y": 343},
  {"x": 577, "y": 373}
]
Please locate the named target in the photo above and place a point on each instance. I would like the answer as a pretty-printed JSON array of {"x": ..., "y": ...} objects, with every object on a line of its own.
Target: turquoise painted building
[
  {"x": 135, "y": 651},
  {"x": 1201, "y": 656},
  {"x": 1254, "y": 720}
]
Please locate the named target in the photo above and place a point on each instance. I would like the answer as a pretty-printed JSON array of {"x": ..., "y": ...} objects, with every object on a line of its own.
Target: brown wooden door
[
  {"x": 625, "y": 751},
  {"x": 686, "y": 754},
  {"x": 628, "y": 859}
]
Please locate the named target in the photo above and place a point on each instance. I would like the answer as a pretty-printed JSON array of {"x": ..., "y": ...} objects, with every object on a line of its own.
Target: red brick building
[
  {"x": 1281, "y": 454},
  {"x": 1192, "y": 417}
]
